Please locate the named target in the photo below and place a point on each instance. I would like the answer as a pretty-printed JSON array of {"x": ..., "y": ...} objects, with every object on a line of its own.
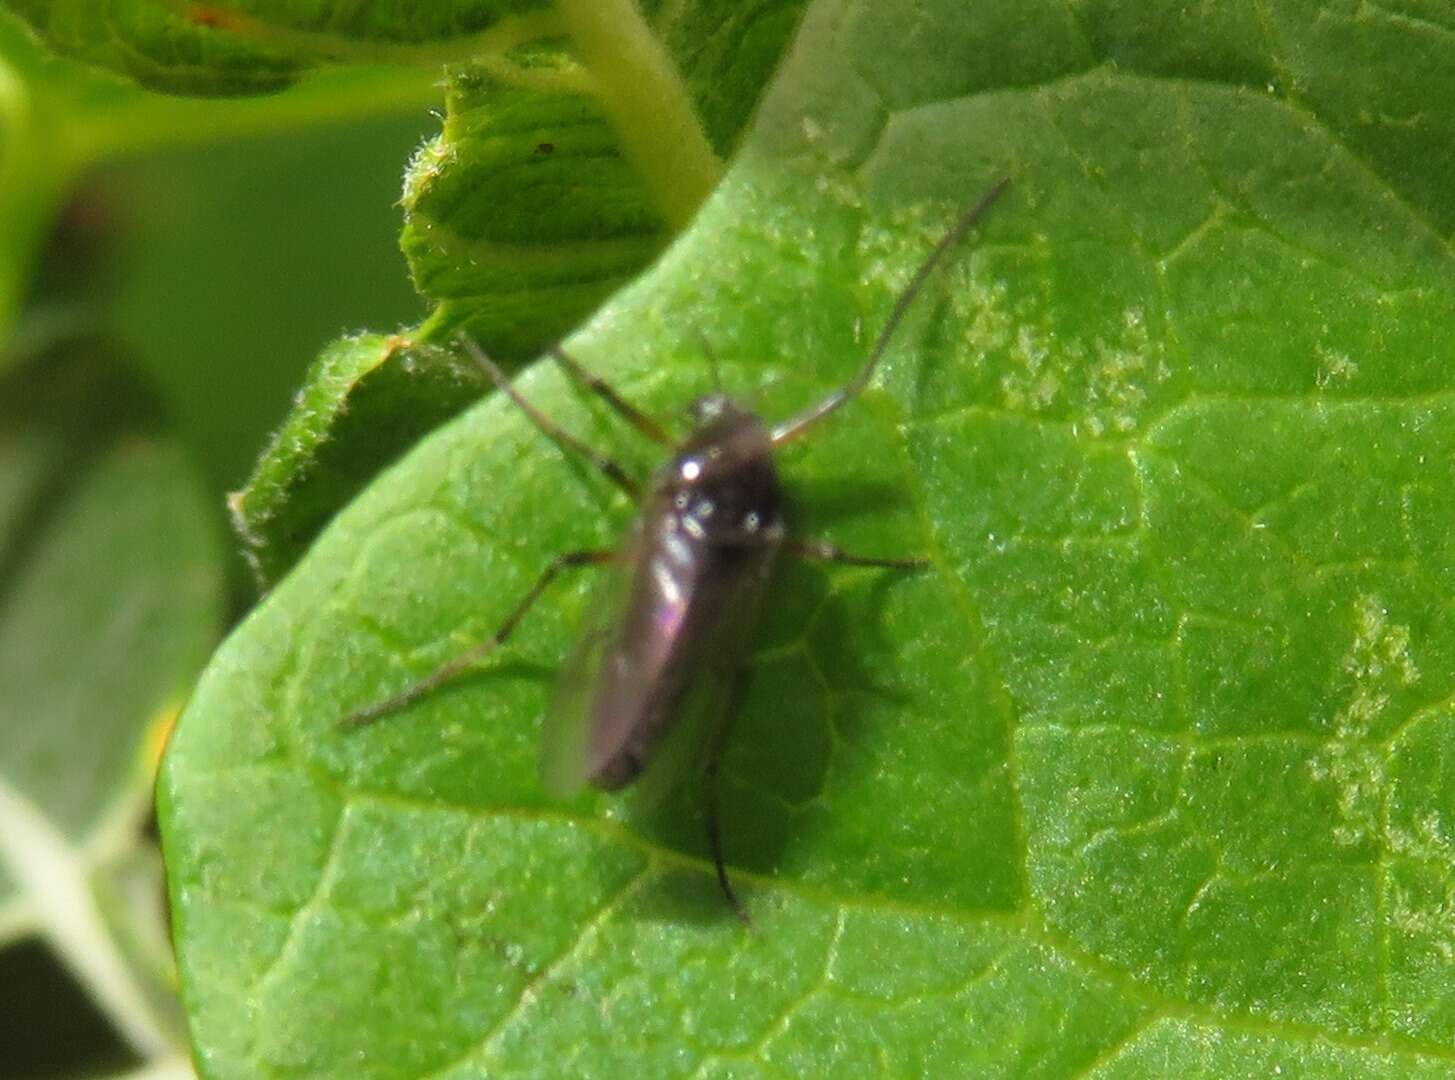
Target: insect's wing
[
  {"x": 679, "y": 764},
  {"x": 565, "y": 737}
]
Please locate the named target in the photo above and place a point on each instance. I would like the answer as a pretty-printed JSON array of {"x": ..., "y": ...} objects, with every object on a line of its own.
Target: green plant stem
[{"x": 648, "y": 104}]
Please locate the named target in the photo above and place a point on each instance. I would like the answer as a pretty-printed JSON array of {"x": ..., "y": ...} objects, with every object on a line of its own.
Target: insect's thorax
[{"x": 721, "y": 489}]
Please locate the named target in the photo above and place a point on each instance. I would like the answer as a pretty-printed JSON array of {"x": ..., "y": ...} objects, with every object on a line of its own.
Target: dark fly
[{"x": 697, "y": 558}]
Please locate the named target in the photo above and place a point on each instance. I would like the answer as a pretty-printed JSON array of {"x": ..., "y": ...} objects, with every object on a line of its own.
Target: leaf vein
[{"x": 531, "y": 990}]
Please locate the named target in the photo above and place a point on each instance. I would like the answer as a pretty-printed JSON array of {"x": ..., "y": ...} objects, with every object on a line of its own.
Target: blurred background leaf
[{"x": 167, "y": 269}]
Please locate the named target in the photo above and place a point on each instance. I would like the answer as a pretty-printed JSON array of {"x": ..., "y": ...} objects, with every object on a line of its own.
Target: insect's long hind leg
[
  {"x": 548, "y": 427},
  {"x": 604, "y": 390},
  {"x": 714, "y": 838},
  {"x": 440, "y": 676},
  {"x": 823, "y": 551},
  {"x": 714, "y": 800}
]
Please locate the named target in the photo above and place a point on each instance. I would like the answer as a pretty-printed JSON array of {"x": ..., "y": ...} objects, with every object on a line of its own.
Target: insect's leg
[
  {"x": 548, "y": 427},
  {"x": 825, "y": 552},
  {"x": 714, "y": 838},
  {"x": 712, "y": 362},
  {"x": 602, "y": 389},
  {"x": 714, "y": 825},
  {"x": 467, "y": 659}
]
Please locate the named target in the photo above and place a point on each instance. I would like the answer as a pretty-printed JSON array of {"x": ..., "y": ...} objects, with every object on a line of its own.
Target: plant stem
[{"x": 647, "y": 102}]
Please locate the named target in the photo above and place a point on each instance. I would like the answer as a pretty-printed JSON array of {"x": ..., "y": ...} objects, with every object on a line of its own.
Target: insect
[{"x": 695, "y": 563}]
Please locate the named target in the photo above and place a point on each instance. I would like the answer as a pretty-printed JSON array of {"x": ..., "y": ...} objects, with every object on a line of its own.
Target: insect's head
[{"x": 708, "y": 408}]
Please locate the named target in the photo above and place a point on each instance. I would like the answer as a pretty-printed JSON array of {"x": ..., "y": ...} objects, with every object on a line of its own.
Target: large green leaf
[{"x": 1146, "y": 775}]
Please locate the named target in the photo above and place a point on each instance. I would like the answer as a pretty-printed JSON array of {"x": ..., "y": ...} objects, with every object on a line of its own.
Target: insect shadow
[
  {"x": 821, "y": 680},
  {"x": 657, "y": 677}
]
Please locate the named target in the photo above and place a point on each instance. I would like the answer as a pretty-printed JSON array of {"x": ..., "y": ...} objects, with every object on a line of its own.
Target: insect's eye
[
  {"x": 680, "y": 500},
  {"x": 750, "y": 521}
]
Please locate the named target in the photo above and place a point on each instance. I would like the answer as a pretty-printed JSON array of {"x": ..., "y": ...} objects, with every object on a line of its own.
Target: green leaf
[
  {"x": 366, "y": 398},
  {"x": 1147, "y": 774},
  {"x": 110, "y": 585},
  {"x": 184, "y": 48},
  {"x": 523, "y": 216},
  {"x": 85, "y": 481},
  {"x": 531, "y": 207},
  {"x": 241, "y": 48}
]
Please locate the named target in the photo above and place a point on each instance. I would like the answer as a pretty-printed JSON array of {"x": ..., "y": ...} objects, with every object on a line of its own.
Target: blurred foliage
[{"x": 167, "y": 269}]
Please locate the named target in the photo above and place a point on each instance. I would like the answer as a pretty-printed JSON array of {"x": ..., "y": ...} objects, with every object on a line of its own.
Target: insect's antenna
[
  {"x": 711, "y": 354},
  {"x": 796, "y": 425}
]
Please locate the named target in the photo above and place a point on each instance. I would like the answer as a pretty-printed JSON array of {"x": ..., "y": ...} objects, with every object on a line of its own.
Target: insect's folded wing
[
  {"x": 565, "y": 758},
  {"x": 680, "y": 761}
]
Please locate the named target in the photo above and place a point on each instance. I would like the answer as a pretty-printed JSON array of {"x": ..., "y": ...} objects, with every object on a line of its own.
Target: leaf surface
[
  {"x": 364, "y": 398},
  {"x": 1147, "y": 772}
]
